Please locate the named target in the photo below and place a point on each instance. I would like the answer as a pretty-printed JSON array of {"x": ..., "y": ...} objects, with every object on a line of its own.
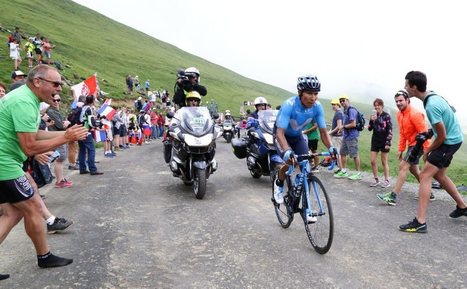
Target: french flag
[
  {"x": 106, "y": 110},
  {"x": 99, "y": 135}
]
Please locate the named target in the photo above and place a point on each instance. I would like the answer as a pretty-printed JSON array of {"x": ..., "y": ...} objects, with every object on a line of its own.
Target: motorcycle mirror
[
  {"x": 170, "y": 114},
  {"x": 215, "y": 116}
]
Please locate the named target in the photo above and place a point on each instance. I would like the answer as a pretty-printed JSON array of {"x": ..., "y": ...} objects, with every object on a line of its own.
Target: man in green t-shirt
[
  {"x": 312, "y": 134},
  {"x": 19, "y": 138}
]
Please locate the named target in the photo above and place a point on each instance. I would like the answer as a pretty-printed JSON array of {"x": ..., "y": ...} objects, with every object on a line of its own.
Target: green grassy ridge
[{"x": 90, "y": 42}]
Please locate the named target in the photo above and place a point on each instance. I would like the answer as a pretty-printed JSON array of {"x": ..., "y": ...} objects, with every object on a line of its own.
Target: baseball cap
[{"x": 17, "y": 73}]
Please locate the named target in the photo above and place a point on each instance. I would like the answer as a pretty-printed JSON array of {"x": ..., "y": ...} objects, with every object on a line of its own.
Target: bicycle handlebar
[{"x": 310, "y": 156}]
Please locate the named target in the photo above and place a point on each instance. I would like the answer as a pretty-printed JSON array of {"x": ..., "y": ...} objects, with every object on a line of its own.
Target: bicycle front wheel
[
  {"x": 321, "y": 232},
  {"x": 283, "y": 213}
]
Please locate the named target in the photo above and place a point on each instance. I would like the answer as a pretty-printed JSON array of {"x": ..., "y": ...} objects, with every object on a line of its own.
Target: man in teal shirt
[
  {"x": 19, "y": 138},
  {"x": 438, "y": 156}
]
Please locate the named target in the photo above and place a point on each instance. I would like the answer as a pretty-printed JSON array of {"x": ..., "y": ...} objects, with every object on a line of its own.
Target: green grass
[{"x": 87, "y": 42}]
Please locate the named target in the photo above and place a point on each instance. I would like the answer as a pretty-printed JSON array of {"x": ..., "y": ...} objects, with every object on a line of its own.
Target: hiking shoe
[
  {"x": 356, "y": 176},
  {"x": 389, "y": 198},
  {"x": 375, "y": 183},
  {"x": 385, "y": 184},
  {"x": 63, "y": 184},
  {"x": 59, "y": 224},
  {"x": 341, "y": 175},
  {"x": 458, "y": 212},
  {"x": 4, "y": 276},
  {"x": 278, "y": 193},
  {"x": 413, "y": 227}
]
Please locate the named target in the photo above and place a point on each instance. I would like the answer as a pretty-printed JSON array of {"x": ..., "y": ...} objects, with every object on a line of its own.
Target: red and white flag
[{"x": 86, "y": 87}]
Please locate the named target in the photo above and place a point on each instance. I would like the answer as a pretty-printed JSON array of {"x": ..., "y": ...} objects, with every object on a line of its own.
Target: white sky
[{"x": 362, "y": 48}]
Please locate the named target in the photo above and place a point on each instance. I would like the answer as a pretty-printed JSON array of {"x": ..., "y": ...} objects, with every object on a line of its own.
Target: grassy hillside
[{"x": 88, "y": 42}]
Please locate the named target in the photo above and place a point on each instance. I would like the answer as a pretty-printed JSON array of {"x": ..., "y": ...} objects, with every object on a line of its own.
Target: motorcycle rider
[
  {"x": 193, "y": 98},
  {"x": 260, "y": 104},
  {"x": 187, "y": 81},
  {"x": 295, "y": 113}
]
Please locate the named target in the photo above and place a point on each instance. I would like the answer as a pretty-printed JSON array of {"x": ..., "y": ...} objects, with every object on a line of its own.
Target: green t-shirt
[
  {"x": 19, "y": 112},
  {"x": 314, "y": 134}
]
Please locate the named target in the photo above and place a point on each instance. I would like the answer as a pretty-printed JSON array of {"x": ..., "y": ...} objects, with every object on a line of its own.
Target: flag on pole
[
  {"x": 86, "y": 87},
  {"x": 99, "y": 135},
  {"x": 106, "y": 110}
]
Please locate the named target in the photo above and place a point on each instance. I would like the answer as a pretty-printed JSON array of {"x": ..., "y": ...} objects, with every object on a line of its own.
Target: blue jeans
[{"x": 87, "y": 147}]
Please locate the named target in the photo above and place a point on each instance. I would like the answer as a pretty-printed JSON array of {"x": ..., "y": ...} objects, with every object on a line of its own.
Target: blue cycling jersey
[{"x": 293, "y": 116}]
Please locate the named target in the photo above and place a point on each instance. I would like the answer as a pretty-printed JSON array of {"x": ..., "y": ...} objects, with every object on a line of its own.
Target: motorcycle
[
  {"x": 258, "y": 146},
  {"x": 193, "y": 147},
  {"x": 227, "y": 130}
]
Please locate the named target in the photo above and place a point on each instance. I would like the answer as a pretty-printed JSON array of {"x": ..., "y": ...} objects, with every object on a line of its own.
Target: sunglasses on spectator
[
  {"x": 54, "y": 83},
  {"x": 57, "y": 100},
  {"x": 342, "y": 100}
]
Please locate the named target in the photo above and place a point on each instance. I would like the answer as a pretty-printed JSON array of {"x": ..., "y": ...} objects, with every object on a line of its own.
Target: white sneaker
[
  {"x": 385, "y": 184},
  {"x": 311, "y": 219},
  {"x": 375, "y": 183},
  {"x": 278, "y": 193}
]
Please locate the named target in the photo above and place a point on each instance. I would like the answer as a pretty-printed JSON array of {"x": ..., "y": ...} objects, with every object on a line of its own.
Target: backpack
[
  {"x": 360, "y": 121},
  {"x": 74, "y": 116}
]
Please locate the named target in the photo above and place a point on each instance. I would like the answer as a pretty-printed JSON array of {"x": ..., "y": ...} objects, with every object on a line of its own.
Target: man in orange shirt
[{"x": 411, "y": 123}]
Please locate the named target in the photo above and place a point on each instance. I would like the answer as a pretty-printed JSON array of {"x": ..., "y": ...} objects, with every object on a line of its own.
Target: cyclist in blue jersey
[{"x": 295, "y": 113}]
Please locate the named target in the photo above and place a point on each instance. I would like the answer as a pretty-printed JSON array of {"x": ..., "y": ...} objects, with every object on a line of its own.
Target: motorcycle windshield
[
  {"x": 267, "y": 119},
  {"x": 227, "y": 124},
  {"x": 196, "y": 120}
]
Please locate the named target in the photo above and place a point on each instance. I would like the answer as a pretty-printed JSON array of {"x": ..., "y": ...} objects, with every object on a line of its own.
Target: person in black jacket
[{"x": 187, "y": 80}]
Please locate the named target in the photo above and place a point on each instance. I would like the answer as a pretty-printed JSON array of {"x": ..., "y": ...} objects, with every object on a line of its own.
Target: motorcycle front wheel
[{"x": 199, "y": 183}]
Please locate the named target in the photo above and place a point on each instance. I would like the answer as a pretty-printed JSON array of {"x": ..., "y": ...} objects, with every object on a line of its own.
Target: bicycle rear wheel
[
  {"x": 321, "y": 232},
  {"x": 283, "y": 213}
]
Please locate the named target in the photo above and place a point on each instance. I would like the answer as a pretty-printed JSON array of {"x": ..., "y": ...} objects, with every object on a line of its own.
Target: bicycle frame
[{"x": 304, "y": 165}]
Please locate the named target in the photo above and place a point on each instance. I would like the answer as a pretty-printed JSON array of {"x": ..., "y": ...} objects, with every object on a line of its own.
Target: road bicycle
[{"x": 307, "y": 195}]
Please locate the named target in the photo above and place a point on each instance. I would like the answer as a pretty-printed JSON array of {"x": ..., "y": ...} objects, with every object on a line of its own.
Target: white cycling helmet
[
  {"x": 192, "y": 71},
  {"x": 227, "y": 112},
  {"x": 260, "y": 100}
]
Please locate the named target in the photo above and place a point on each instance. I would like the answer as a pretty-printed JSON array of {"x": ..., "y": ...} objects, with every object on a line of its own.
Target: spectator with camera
[
  {"x": 447, "y": 140},
  {"x": 87, "y": 150},
  {"x": 411, "y": 123},
  {"x": 59, "y": 124},
  {"x": 187, "y": 81}
]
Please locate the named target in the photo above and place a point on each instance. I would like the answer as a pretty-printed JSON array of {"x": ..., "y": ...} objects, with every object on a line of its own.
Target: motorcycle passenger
[
  {"x": 187, "y": 81},
  {"x": 260, "y": 104},
  {"x": 295, "y": 113}
]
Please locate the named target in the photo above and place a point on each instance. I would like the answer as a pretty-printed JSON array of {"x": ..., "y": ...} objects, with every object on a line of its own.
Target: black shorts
[
  {"x": 442, "y": 156},
  {"x": 116, "y": 131},
  {"x": 312, "y": 144},
  {"x": 123, "y": 131},
  {"x": 17, "y": 190},
  {"x": 378, "y": 147},
  {"x": 38, "y": 51}
]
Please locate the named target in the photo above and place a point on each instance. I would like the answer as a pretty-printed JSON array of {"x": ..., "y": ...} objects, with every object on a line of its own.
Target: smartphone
[{"x": 54, "y": 156}]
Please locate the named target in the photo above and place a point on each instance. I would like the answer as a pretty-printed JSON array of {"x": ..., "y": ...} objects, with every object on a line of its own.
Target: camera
[
  {"x": 420, "y": 138},
  {"x": 54, "y": 156},
  {"x": 181, "y": 75}
]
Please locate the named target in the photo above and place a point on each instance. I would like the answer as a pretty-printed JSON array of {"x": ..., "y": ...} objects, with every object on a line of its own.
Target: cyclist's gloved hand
[
  {"x": 288, "y": 155},
  {"x": 333, "y": 151}
]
